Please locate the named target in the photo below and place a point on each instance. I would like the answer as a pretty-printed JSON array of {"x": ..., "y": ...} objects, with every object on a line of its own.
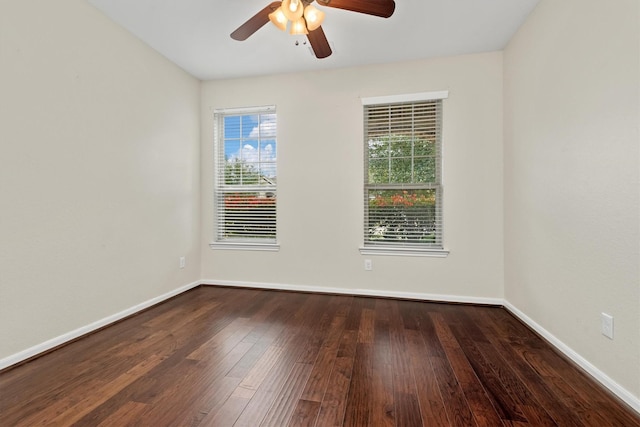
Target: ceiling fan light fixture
[
  {"x": 309, "y": 22},
  {"x": 292, "y": 9},
  {"x": 279, "y": 19},
  {"x": 314, "y": 17},
  {"x": 299, "y": 27}
]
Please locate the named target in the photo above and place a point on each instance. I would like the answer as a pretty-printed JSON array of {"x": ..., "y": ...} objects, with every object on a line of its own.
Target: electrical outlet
[
  {"x": 368, "y": 265},
  {"x": 606, "y": 321},
  {"x": 183, "y": 262}
]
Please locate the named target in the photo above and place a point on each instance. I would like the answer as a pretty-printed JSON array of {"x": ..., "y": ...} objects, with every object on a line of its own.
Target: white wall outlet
[
  {"x": 183, "y": 262},
  {"x": 606, "y": 321},
  {"x": 368, "y": 265}
]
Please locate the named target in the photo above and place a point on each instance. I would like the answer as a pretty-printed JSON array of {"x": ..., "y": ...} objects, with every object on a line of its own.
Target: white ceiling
[{"x": 194, "y": 34}]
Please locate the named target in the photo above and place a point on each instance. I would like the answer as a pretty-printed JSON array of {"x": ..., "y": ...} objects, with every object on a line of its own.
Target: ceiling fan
[{"x": 307, "y": 19}]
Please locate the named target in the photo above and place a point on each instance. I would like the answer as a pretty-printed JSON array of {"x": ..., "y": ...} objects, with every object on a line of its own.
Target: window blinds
[
  {"x": 246, "y": 177},
  {"x": 403, "y": 174}
]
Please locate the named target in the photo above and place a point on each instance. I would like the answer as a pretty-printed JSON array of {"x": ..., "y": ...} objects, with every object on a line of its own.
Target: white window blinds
[
  {"x": 403, "y": 174},
  {"x": 246, "y": 176}
]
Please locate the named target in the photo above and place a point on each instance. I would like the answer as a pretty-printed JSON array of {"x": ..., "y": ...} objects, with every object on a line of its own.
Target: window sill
[
  {"x": 243, "y": 246},
  {"x": 393, "y": 251}
]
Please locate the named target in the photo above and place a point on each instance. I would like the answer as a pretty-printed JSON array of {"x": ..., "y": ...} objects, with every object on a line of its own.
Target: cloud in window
[
  {"x": 266, "y": 129},
  {"x": 264, "y": 161},
  {"x": 251, "y": 154}
]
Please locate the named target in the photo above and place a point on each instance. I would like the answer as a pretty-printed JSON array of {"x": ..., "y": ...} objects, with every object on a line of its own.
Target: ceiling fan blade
[
  {"x": 254, "y": 23},
  {"x": 319, "y": 43},
  {"x": 382, "y": 8}
]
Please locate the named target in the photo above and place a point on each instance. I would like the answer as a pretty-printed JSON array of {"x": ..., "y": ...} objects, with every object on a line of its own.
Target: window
[
  {"x": 403, "y": 175},
  {"x": 246, "y": 178}
]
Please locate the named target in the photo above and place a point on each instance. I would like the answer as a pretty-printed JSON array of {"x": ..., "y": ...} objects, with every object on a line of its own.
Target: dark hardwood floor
[{"x": 223, "y": 357}]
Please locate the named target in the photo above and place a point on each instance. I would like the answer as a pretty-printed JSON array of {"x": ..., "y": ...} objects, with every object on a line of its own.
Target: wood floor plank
[
  {"x": 270, "y": 324},
  {"x": 429, "y": 396},
  {"x": 458, "y": 411},
  {"x": 260, "y": 370},
  {"x": 127, "y": 415},
  {"x": 579, "y": 390},
  {"x": 305, "y": 414},
  {"x": 332, "y": 408},
  {"x": 502, "y": 388},
  {"x": 227, "y": 413},
  {"x": 327, "y": 331},
  {"x": 383, "y": 405},
  {"x": 316, "y": 386},
  {"x": 205, "y": 387},
  {"x": 355, "y": 314},
  {"x": 286, "y": 400},
  {"x": 358, "y": 405},
  {"x": 229, "y": 336},
  {"x": 293, "y": 342},
  {"x": 249, "y": 357},
  {"x": 502, "y": 336},
  {"x": 382, "y": 339},
  {"x": 405, "y": 393},
  {"x": 211, "y": 404},
  {"x": 484, "y": 412},
  {"x": 506, "y": 388},
  {"x": 169, "y": 375},
  {"x": 366, "y": 327}
]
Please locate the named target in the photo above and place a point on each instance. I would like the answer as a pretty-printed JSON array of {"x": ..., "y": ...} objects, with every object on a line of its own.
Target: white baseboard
[
  {"x": 596, "y": 373},
  {"x": 357, "y": 292},
  {"x": 69, "y": 336}
]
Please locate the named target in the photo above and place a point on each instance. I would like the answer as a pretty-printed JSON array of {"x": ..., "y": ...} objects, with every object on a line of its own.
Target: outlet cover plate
[{"x": 607, "y": 325}]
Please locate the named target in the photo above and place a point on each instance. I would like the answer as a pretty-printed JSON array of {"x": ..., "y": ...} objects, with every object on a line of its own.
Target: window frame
[
  {"x": 220, "y": 187},
  {"x": 398, "y": 248}
]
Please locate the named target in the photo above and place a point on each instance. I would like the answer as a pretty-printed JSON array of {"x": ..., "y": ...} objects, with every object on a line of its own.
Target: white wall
[
  {"x": 320, "y": 170},
  {"x": 572, "y": 178},
  {"x": 99, "y": 171}
]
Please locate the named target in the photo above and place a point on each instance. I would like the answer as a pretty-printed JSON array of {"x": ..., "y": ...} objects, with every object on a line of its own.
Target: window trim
[
  {"x": 391, "y": 249},
  {"x": 407, "y": 97},
  {"x": 403, "y": 251},
  {"x": 240, "y": 246},
  {"x": 249, "y": 244}
]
